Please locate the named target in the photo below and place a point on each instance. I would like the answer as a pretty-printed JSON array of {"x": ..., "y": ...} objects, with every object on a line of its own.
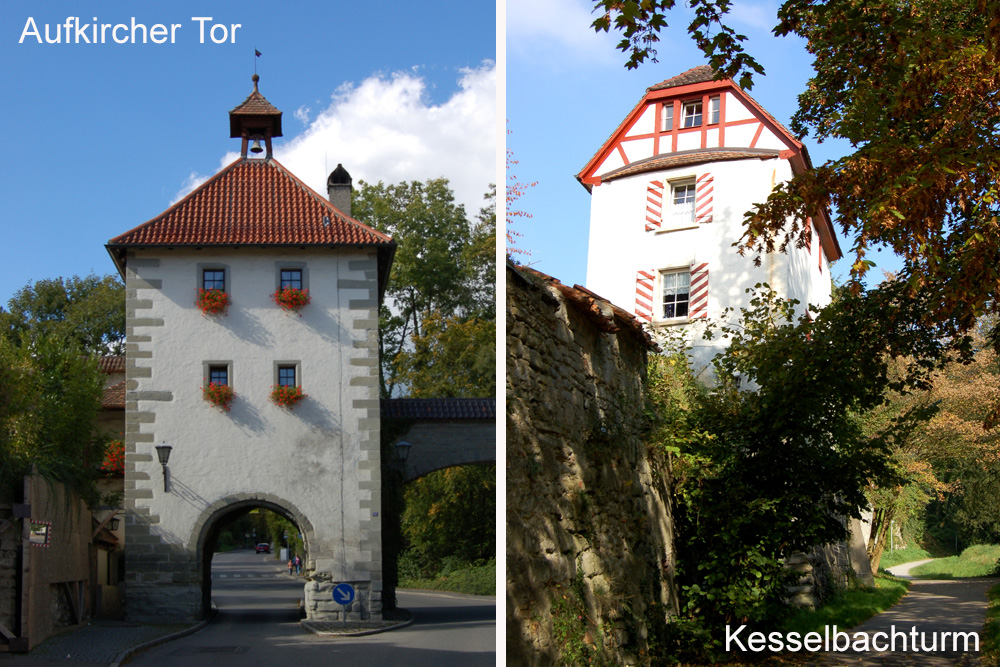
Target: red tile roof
[
  {"x": 684, "y": 158},
  {"x": 114, "y": 396},
  {"x": 252, "y": 202},
  {"x": 606, "y": 316},
  {"x": 699, "y": 74},
  {"x": 113, "y": 364}
]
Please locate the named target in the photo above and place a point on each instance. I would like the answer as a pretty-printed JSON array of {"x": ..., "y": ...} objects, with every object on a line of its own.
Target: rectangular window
[
  {"x": 676, "y": 290},
  {"x": 681, "y": 211},
  {"x": 291, "y": 278},
  {"x": 713, "y": 110},
  {"x": 668, "y": 116},
  {"x": 218, "y": 375},
  {"x": 213, "y": 279},
  {"x": 692, "y": 114},
  {"x": 286, "y": 376}
]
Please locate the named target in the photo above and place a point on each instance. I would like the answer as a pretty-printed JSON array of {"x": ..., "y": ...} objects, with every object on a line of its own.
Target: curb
[
  {"x": 312, "y": 627},
  {"x": 122, "y": 657}
]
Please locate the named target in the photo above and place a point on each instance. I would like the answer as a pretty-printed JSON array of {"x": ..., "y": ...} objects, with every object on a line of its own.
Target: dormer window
[
  {"x": 714, "y": 104},
  {"x": 692, "y": 114},
  {"x": 668, "y": 116}
]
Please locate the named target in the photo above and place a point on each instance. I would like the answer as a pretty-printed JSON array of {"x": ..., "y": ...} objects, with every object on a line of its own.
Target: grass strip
[
  {"x": 900, "y": 556},
  {"x": 990, "y": 636},
  {"x": 850, "y": 607},
  {"x": 474, "y": 580},
  {"x": 977, "y": 561}
]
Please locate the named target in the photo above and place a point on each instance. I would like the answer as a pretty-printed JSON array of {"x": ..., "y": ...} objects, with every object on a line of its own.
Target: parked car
[{"x": 263, "y": 548}]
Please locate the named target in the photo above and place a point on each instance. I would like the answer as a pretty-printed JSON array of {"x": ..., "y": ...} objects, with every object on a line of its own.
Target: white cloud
[
  {"x": 558, "y": 32},
  {"x": 302, "y": 114},
  {"x": 385, "y": 129}
]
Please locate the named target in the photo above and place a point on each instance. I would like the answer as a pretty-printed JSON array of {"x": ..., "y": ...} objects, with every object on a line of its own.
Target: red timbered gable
[{"x": 694, "y": 119}]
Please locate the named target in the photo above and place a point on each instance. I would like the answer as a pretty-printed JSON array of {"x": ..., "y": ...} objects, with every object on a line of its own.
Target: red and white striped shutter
[
  {"x": 703, "y": 199},
  {"x": 654, "y": 205},
  {"x": 698, "y": 306},
  {"x": 644, "y": 281}
]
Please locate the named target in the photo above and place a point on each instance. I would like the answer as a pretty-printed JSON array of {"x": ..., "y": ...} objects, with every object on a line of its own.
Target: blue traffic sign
[{"x": 343, "y": 594}]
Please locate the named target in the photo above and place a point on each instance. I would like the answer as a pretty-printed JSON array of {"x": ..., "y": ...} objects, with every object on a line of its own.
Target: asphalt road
[{"x": 258, "y": 624}]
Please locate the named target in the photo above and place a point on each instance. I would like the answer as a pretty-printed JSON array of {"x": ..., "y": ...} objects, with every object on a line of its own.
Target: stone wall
[
  {"x": 10, "y": 546},
  {"x": 589, "y": 527}
]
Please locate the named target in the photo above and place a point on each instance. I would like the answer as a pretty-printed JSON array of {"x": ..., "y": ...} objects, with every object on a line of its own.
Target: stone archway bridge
[{"x": 443, "y": 432}]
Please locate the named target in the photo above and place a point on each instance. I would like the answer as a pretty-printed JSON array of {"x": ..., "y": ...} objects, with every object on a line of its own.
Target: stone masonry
[{"x": 589, "y": 528}]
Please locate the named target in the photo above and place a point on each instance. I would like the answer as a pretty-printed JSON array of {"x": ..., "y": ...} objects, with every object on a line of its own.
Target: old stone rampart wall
[{"x": 589, "y": 526}]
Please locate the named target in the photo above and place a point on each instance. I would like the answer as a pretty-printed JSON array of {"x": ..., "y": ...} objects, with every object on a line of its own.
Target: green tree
[
  {"x": 50, "y": 396},
  {"x": 451, "y": 514},
  {"x": 773, "y": 458},
  {"x": 429, "y": 272},
  {"x": 90, "y": 311},
  {"x": 452, "y": 357}
]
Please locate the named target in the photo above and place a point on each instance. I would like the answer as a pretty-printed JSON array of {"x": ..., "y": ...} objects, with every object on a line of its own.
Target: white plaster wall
[
  {"x": 619, "y": 244},
  {"x": 638, "y": 149},
  {"x": 644, "y": 124},
  {"x": 735, "y": 110},
  {"x": 310, "y": 455},
  {"x": 740, "y": 135}
]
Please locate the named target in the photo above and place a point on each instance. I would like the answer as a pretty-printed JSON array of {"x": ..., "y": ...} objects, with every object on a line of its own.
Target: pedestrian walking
[
  {"x": 290, "y": 566},
  {"x": 298, "y": 565}
]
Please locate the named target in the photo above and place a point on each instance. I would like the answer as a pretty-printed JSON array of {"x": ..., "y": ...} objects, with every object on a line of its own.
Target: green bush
[{"x": 474, "y": 579}]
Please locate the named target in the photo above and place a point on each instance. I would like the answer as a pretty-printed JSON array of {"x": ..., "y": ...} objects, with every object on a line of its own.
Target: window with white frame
[
  {"x": 668, "y": 116},
  {"x": 691, "y": 114},
  {"x": 680, "y": 209},
  {"x": 714, "y": 104},
  {"x": 675, "y": 294}
]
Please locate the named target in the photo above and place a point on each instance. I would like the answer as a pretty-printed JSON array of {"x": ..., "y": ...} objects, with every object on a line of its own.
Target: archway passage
[{"x": 256, "y": 538}]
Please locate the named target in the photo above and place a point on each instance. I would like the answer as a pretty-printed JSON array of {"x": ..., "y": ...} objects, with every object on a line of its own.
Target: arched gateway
[{"x": 252, "y": 361}]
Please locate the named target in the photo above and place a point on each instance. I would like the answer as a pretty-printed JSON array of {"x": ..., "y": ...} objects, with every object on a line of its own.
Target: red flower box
[
  {"x": 291, "y": 298},
  {"x": 219, "y": 395},
  {"x": 286, "y": 396},
  {"x": 212, "y": 301}
]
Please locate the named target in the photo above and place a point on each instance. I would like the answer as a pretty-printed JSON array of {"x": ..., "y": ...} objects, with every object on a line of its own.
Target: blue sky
[
  {"x": 102, "y": 137},
  {"x": 567, "y": 90}
]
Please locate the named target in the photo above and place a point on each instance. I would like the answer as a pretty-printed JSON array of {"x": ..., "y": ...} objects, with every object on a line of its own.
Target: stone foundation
[{"x": 321, "y": 607}]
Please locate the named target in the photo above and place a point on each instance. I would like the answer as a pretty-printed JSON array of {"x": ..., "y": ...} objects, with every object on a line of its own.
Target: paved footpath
[
  {"x": 932, "y": 607},
  {"x": 99, "y": 644}
]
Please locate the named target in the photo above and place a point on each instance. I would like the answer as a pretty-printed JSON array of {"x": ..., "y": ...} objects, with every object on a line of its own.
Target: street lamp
[
  {"x": 403, "y": 450},
  {"x": 163, "y": 452}
]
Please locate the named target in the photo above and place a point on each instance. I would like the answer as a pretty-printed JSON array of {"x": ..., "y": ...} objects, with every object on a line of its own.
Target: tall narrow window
[
  {"x": 213, "y": 279},
  {"x": 668, "y": 116},
  {"x": 676, "y": 293},
  {"x": 681, "y": 212},
  {"x": 291, "y": 278},
  {"x": 713, "y": 110},
  {"x": 692, "y": 114},
  {"x": 286, "y": 376}
]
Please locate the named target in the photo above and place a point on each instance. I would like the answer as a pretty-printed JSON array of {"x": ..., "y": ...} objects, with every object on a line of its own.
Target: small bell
[{"x": 256, "y": 147}]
